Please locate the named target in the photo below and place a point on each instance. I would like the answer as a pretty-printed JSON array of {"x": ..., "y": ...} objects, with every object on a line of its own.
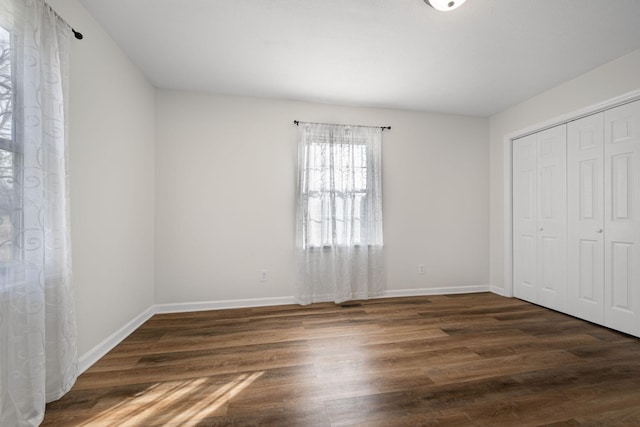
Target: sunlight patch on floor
[{"x": 184, "y": 403}]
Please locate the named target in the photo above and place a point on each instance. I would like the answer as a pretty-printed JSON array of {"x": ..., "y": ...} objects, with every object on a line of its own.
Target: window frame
[{"x": 363, "y": 193}]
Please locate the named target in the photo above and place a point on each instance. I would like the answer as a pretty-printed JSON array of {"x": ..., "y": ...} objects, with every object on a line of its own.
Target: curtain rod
[
  {"x": 76, "y": 34},
  {"x": 297, "y": 122}
]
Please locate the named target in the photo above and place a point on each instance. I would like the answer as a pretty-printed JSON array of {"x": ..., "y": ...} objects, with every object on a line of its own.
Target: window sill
[{"x": 330, "y": 247}]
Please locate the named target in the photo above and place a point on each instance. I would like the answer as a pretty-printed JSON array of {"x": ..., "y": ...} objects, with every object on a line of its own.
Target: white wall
[
  {"x": 111, "y": 126},
  {"x": 225, "y": 176},
  {"x": 608, "y": 81}
]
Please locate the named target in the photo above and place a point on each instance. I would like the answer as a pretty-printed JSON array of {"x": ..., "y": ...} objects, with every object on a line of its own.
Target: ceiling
[{"x": 476, "y": 60}]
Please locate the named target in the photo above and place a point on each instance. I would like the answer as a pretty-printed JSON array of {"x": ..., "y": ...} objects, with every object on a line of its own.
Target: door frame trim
[{"x": 507, "y": 150}]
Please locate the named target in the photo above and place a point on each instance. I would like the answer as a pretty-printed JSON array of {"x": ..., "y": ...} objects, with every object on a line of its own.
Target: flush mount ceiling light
[{"x": 444, "y": 5}]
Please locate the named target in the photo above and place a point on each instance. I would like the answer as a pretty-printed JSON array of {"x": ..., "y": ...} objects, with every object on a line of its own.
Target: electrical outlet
[
  {"x": 264, "y": 275},
  {"x": 420, "y": 268}
]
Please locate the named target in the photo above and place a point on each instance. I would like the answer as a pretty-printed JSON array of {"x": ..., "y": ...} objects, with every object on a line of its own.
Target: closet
[{"x": 576, "y": 218}]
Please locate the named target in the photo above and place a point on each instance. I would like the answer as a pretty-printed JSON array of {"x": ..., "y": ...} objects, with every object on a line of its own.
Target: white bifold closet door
[
  {"x": 622, "y": 218},
  {"x": 540, "y": 217},
  {"x": 585, "y": 209},
  {"x": 603, "y": 218}
]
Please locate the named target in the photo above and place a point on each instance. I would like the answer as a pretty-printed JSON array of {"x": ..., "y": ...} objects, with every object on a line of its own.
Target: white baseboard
[
  {"x": 92, "y": 356},
  {"x": 222, "y": 305},
  {"x": 497, "y": 290},
  {"x": 435, "y": 291}
]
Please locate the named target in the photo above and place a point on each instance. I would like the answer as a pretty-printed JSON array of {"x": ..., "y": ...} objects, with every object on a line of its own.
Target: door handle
[
  {"x": 599, "y": 230},
  {"x": 541, "y": 229}
]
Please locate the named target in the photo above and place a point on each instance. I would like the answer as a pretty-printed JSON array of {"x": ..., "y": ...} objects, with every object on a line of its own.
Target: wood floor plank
[{"x": 447, "y": 360}]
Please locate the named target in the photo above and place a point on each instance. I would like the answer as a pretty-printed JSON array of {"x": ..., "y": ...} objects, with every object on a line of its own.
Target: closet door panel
[
  {"x": 585, "y": 213},
  {"x": 622, "y": 218},
  {"x": 552, "y": 217},
  {"x": 525, "y": 268}
]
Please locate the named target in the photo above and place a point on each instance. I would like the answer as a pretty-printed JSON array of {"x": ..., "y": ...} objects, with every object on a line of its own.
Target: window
[
  {"x": 336, "y": 190},
  {"x": 9, "y": 156},
  {"x": 339, "y": 197}
]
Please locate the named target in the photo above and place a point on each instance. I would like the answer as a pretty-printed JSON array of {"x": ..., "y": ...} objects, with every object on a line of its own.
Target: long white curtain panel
[
  {"x": 339, "y": 213},
  {"x": 38, "y": 356}
]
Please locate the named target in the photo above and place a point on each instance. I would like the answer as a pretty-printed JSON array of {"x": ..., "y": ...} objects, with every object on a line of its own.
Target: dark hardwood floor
[{"x": 460, "y": 360}]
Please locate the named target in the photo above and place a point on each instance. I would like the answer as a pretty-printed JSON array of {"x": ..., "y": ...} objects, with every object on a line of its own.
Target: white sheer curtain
[
  {"x": 37, "y": 322},
  {"x": 339, "y": 213}
]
